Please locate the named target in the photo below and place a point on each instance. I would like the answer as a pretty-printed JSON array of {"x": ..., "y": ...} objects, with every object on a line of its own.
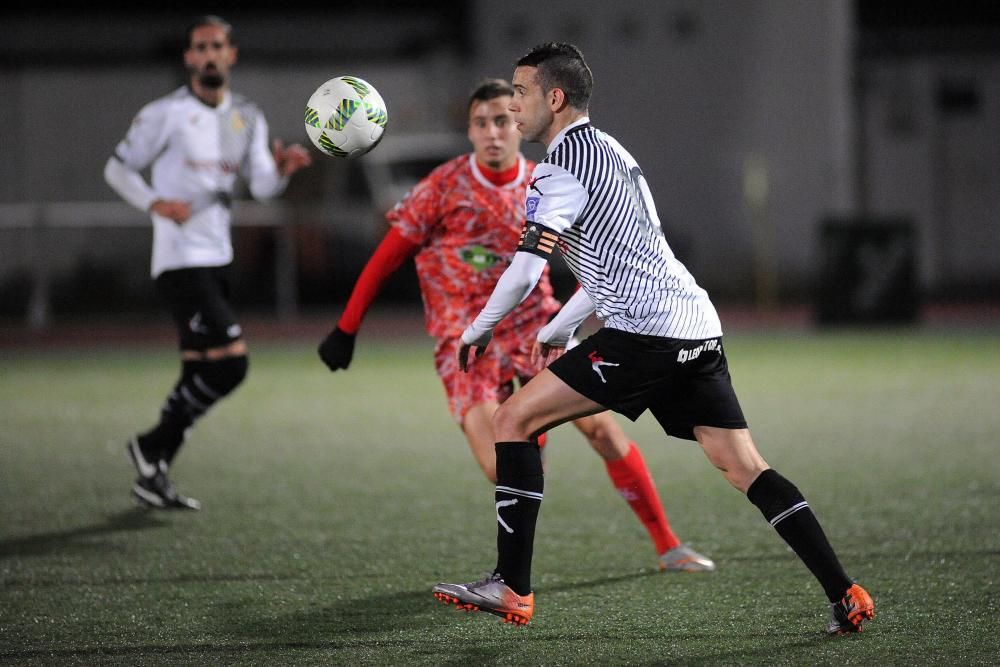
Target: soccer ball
[{"x": 346, "y": 117}]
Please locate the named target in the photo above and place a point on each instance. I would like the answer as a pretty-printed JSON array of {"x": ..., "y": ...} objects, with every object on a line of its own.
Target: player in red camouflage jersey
[{"x": 462, "y": 224}]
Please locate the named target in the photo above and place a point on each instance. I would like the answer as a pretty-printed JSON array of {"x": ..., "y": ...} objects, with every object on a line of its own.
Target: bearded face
[
  {"x": 210, "y": 57},
  {"x": 211, "y": 77}
]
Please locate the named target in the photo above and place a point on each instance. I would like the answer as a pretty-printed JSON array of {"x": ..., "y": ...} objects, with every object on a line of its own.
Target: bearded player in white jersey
[
  {"x": 196, "y": 141},
  {"x": 660, "y": 347}
]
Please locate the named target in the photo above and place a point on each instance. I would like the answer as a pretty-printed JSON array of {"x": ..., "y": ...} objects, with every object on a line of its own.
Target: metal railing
[{"x": 39, "y": 221}]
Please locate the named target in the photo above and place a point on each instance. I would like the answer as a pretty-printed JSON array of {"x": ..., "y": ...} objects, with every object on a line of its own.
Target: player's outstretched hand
[
  {"x": 289, "y": 160},
  {"x": 337, "y": 349}
]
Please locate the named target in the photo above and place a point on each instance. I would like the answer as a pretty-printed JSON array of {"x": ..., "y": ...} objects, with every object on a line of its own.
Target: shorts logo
[
  {"x": 707, "y": 346},
  {"x": 196, "y": 325},
  {"x": 596, "y": 361},
  {"x": 530, "y": 205}
]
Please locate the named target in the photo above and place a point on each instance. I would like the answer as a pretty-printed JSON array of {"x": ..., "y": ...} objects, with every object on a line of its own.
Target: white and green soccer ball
[{"x": 346, "y": 117}]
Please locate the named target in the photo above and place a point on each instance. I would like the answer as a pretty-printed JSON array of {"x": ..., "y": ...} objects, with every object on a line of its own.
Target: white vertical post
[{"x": 39, "y": 310}]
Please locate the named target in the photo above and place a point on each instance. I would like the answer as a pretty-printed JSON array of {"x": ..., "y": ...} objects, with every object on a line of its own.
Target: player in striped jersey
[
  {"x": 461, "y": 224},
  {"x": 196, "y": 141},
  {"x": 660, "y": 348}
]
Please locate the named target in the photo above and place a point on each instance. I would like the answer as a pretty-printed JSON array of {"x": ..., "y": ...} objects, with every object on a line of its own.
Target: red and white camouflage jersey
[{"x": 468, "y": 230}]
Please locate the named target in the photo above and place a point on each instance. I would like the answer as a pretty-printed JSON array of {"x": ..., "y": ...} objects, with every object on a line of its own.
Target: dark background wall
[{"x": 754, "y": 121}]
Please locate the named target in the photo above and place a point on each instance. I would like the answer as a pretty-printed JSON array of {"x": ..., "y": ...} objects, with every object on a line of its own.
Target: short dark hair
[
  {"x": 210, "y": 19},
  {"x": 489, "y": 89},
  {"x": 561, "y": 65}
]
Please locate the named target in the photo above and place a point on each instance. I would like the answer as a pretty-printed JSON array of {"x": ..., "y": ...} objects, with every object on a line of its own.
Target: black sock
[
  {"x": 201, "y": 385},
  {"x": 783, "y": 506},
  {"x": 518, "y": 499},
  {"x": 163, "y": 440}
]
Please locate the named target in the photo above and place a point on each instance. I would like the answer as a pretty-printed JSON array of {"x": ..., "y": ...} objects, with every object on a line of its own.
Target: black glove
[{"x": 337, "y": 349}]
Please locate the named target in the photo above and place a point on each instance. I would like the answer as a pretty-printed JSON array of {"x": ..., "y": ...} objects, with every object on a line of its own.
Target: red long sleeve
[{"x": 387, "y": 258}]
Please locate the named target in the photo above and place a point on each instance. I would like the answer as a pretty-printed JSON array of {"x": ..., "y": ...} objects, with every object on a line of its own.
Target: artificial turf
[{"x": 333, "y": 502}]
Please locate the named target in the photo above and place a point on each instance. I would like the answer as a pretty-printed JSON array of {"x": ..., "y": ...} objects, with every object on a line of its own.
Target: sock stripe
[
  {"x": 788, "y": 512},
  {"x": 192, "y": 401},
  {"x": 519, "y": 492},
  {"x": 205, "y": 389}
]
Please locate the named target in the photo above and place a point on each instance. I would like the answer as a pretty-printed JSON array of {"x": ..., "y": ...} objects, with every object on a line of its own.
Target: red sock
[{"x": 632, "y": 480}]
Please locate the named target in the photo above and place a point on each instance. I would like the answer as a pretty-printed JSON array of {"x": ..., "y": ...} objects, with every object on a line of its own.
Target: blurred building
[{"x": 759, "y": 124}]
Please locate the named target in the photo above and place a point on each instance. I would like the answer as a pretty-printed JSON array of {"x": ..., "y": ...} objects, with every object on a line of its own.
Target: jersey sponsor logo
[
  {"x": 596, "y": 361},
  {"x": 531, "y": 205},
  {"x": 532, "y": 186},
  {"x": 707, "y": 346},
  {"x": 224, "y": 166},
  {"x": 478, "y": 257}
]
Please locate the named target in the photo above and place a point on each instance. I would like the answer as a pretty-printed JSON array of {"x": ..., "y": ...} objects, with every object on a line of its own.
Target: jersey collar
[
  {"x": 578, "y": 123},
  {"x": 227, "y": 99},
  {"x": 478, "y": 174}
]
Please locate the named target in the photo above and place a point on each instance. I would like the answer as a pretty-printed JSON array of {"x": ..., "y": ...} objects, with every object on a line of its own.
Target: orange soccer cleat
[
  {"x": 491, "y": 595},
  {"x": 853, "y": 609}
]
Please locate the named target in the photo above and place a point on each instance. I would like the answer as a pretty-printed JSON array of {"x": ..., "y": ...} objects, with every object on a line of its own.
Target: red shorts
[{"x": 490, "y": 378}]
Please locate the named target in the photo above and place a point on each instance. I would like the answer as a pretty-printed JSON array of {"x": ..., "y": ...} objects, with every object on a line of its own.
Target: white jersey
[
  {"x": 590, "y": 192},
  {"x": 196, "y": 152}
]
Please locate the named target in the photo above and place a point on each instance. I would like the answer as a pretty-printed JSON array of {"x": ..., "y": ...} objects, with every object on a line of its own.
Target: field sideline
[{"x": 332, "y": 503}]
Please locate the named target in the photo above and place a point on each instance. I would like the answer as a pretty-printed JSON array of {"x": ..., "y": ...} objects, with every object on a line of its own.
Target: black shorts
[
  {"x": 684, "y": 383},
  {"x": 198, "y": 298}
]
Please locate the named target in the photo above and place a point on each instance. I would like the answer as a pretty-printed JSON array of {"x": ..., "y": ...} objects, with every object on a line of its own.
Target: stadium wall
[{"x": 742, "y": 114}]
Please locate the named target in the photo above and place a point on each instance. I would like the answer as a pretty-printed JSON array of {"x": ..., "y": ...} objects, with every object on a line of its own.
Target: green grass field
[{"x": 332, "y": 504}]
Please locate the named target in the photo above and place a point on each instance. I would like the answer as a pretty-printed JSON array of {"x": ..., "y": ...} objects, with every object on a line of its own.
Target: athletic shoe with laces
[
  {"x": 683, "y": 558},
  {"x": 489, "y": 594},
  {"x": 853, "y": 609},
  {"x": 159, "y": 492}
]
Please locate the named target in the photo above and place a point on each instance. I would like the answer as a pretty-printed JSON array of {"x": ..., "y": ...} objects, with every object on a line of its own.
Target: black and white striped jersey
[
  {"x": 589, "y": 198},
  {"x": 195, "y": 154}
]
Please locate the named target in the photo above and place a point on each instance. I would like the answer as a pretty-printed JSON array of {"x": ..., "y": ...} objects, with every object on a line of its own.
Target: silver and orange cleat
[{"x": 491, "y": 595}]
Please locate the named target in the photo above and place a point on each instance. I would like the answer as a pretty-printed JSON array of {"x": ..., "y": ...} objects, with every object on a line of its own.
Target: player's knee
[
  {"x": 224, "y": 375},
  {"x": 508, "y": 425},
  {"x": 733, "y": 453},
  {"x": 589, "y": 427}
]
